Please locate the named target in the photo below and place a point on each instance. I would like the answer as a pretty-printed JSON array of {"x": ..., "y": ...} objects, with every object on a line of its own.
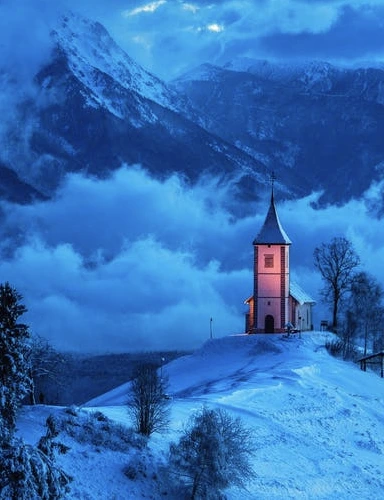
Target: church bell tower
[{"x": 269, "y": 305}]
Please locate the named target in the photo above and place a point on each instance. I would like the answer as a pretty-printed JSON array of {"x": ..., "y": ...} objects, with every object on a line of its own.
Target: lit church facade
[{"x": 276, "y": 303}]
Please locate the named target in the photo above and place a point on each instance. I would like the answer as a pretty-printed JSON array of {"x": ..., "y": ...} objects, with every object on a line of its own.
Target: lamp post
[{"x": 210, "y": 328}]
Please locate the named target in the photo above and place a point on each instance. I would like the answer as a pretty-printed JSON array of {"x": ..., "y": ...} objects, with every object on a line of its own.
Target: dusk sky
[
  {"x": 169, "y": 36},
  {"x": 130, "y": 262}
]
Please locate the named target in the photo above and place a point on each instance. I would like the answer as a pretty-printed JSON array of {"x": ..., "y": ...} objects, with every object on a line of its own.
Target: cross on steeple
[{"x": 272, "y": 179}]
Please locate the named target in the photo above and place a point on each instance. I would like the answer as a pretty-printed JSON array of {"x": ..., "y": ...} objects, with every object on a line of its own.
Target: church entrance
[{"x": 269, "y": 325}]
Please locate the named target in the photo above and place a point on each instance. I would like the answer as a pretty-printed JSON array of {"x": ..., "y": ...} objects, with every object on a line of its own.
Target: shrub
[
  {"x": 98, "y": 430},
  {"x": 27, "y": 473},
  {"x": 335, "y": 347},
  {"x": 213, "y": 453}
]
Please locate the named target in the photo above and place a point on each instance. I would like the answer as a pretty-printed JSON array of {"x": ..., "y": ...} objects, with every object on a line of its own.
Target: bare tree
[
  {"x": 365, "y": 307},
  {"x": 148, "y": 402},
  {"x": 348, "y": 333},
  {"x": 46, "y": 364},
  {"x": 336, "y": 262}
]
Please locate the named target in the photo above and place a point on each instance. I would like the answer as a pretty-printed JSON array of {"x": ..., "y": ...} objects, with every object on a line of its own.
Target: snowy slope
[{"x": 318, "y": 422}]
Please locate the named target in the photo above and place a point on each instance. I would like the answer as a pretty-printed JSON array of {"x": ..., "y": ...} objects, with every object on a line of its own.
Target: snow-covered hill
[{"x": 318, "y": 422}]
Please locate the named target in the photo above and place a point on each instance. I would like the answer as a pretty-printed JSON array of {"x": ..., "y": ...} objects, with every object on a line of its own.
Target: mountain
[
  {"x": 311, "y": 123},
  {"x": 95, "y": 108},
  {"x": 316, "y": 420},
  {"x": 13, "y": 189}
]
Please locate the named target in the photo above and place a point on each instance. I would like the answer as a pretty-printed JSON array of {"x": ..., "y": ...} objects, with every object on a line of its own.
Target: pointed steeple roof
[{"x": 272, "y": 232}]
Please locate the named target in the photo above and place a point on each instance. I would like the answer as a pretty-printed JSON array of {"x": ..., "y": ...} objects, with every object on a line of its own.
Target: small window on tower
[{"x": 268, "y": 260}]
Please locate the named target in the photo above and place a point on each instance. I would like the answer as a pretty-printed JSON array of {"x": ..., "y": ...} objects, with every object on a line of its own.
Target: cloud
[
  {"x": 357, "y": 35},
  {"x": 186, "y": 34},
  {"x": 176, "y": 35},
  {"x": 169, "y": 37},
  {"x": 25, "y": 36},
  {"x": 133, "y": 263},
  {"x": 309, "y": 227},
  {"x": 147, "y": 297},
  {"x": 216, "y": 28},
  {"x": 25, "y": 46},
  {"x": 127, "y": 263},
  {"x": 147, "y": 8}
]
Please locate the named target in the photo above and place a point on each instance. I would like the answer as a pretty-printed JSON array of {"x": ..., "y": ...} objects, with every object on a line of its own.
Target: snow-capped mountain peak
[{"x": 89, "y": 47}]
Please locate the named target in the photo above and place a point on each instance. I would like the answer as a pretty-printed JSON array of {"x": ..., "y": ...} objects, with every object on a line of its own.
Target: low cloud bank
[
  {"x": 128, "y": 263},
  {"x": 134, "y": 263}
]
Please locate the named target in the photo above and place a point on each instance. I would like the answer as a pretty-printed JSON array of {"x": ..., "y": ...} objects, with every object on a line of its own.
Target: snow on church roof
[
  {"x": 272, "y": 232},
  {"x": 298, "y": 294}
]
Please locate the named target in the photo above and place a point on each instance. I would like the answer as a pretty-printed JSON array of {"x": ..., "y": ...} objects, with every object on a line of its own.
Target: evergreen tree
[
  {"x": 26, "y": 472},
  {"x": 15, "y": 380}
]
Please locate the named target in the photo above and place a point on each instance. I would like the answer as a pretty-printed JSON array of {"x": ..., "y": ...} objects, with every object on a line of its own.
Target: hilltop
[{"x": 317, "y": 421}]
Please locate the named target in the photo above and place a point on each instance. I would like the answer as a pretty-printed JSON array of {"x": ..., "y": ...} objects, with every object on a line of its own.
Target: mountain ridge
[
  {"x": 97, "y": 109},
  {"x": 317, "y": 126},
  {"x": 314, "y": 123}
]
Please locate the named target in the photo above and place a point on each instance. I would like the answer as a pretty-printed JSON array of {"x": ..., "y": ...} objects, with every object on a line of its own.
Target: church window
[{"x": 268, "y": 260}]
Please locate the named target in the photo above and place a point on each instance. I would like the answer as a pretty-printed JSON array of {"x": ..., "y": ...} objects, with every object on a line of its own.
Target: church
[{"x": 277, "y": 304}]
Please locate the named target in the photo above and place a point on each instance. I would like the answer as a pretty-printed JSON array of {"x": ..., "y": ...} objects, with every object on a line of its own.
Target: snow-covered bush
[
  {"x": 213, "y": 453},
  {"x": 47, "y": 444},
  {"x": 146, "y": 467},
  {"x": 27, "y": 473},
  {"x": 97, "y": 429},
  {"x": 137, "y": 467}
]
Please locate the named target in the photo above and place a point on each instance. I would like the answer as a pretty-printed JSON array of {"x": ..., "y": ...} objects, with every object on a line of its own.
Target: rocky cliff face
[
  {"x": 95, "y": 109},
  {"x": 313, "y": 124}
]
